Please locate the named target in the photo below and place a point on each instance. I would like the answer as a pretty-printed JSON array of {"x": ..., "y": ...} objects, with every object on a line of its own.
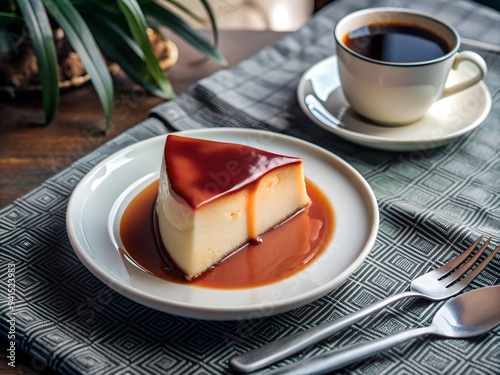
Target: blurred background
[{"x": 278, "y": 15}]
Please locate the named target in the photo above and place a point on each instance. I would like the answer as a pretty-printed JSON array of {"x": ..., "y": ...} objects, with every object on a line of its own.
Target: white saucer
[
  {"x": 322, "y": 100},
  {"x": 98, "y": 200}
]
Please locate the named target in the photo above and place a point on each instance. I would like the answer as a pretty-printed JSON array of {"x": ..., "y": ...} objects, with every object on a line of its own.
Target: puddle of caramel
[{"x": 284, "y": 250}]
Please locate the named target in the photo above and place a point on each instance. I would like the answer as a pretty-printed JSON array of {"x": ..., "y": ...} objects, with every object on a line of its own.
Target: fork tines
[{"x": 458, "y": 267}]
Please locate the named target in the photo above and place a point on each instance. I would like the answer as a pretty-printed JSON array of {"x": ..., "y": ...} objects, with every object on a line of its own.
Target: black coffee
[{"x": 397, "y": 43}]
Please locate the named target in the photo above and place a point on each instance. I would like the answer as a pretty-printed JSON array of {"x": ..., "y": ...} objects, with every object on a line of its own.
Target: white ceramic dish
[
  {"x": 446, "y": 120},
  {"x": 104, "y": 192}
]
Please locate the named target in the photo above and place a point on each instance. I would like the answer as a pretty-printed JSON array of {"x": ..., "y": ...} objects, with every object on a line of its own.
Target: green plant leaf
[
  {"x": 40, "y": 31},
  {"x": 84, "y": 44},
  {"x": 5, "y": 44},
  {"x": 121, "y": 48},
  {"x": 138, "y": 26},
  {"x": 165, "y": 17},
  {"x": 7, "y": 21},
  {"x": 215, "y": 32}
]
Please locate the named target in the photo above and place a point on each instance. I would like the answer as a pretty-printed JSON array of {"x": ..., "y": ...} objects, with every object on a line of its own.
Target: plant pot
[{"x": 19, "y": 71}]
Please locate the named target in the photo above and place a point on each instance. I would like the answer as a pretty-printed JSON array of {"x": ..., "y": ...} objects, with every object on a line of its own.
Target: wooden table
[{"x": 30, "y": 154}]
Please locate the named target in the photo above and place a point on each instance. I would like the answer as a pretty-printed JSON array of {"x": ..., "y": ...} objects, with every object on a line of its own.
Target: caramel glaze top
[{"x": 201, "y": 171}]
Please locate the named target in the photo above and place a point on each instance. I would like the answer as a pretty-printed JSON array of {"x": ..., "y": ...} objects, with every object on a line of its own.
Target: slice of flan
[{"x": 215, "y": 197}]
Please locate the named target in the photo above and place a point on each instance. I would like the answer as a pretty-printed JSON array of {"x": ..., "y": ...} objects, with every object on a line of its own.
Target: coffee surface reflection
[{"x": 396, "y": 43}]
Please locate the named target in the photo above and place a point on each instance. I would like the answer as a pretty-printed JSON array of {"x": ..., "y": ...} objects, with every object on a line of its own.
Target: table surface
[{"x": 30, "y": 154}]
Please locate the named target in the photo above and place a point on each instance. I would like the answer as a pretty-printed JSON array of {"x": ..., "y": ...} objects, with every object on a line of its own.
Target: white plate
[
  {"x": 120, "y": 176},
  {"x": 449, "y": 118}
]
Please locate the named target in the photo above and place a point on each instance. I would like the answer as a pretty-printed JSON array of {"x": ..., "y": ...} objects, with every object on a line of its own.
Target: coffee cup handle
[{"x": 474, "y": 58}]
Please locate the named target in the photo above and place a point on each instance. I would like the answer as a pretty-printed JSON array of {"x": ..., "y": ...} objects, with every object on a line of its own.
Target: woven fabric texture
[{"x": 433, "y": 204}]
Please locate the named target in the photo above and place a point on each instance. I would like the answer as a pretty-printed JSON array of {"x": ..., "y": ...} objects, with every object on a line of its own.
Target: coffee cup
[{"x": 394, "y": 62}]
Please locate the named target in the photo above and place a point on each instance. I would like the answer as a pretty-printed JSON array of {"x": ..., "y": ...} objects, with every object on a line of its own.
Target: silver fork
[{"x": 435, "y": 285}]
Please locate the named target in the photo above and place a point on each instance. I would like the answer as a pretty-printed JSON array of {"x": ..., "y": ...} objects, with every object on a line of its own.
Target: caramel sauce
[
  {"x": 251, "y": 216},
  {"x": 284, "y": 250},
  {"x": 201, "y": 171}
]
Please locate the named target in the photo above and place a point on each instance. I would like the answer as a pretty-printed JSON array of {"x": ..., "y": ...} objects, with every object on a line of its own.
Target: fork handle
[
  {"x": 287, "y": 346},
  {"x": 338, "y": 358}
]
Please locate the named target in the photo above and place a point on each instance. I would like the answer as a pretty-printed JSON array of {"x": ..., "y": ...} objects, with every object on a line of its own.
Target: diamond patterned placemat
[{"x": 433, "y": 203}]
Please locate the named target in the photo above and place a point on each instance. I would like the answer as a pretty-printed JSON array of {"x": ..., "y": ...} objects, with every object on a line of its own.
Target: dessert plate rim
[{"x": 94, "y": 199}]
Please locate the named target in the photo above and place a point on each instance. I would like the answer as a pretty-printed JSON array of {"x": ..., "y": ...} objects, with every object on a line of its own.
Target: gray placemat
[{"x": 432, "y": 205}]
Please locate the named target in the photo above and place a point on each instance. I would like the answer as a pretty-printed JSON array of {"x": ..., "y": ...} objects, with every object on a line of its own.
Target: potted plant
[{"x": 95, "y": 32}]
